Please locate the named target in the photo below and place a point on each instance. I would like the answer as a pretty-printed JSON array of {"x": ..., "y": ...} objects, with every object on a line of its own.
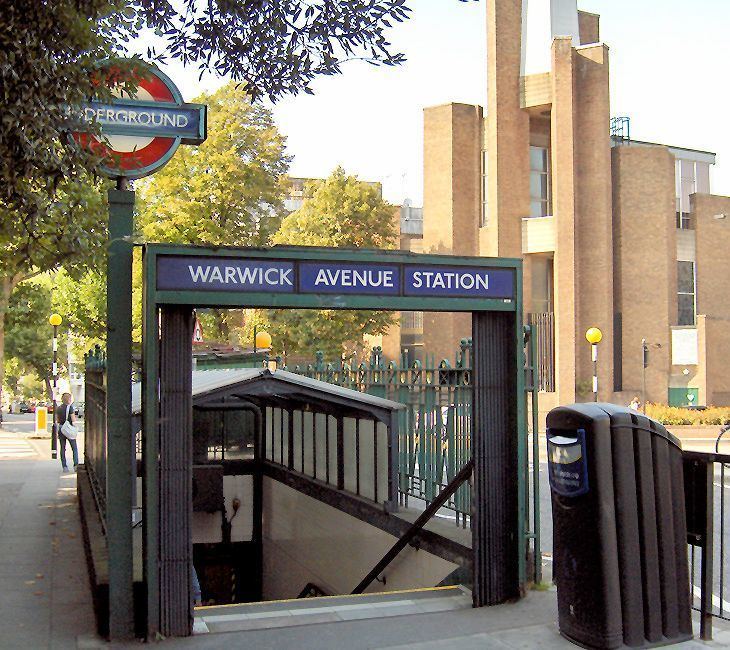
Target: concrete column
[
  {"x": 645, "y": 285},
  {"x": 451, "y": 203},
  {"x": 564, "y": 212},
  {"x": 507, "y": 133},
  {"x": 593, "y": 213}
]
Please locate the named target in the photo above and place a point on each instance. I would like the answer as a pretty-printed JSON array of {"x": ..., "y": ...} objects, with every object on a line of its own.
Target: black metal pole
[
  {"x": 54, "y": 447},
  {"x": 707, "y": 568},
  {"x": 594, "y": 353},
  {"x": 643, "y": 376}
]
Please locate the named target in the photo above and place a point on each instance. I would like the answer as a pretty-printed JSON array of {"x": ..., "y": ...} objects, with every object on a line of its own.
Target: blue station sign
[
  {"x": 185, "y": 273},
  {"x": 149, "y": 119}
]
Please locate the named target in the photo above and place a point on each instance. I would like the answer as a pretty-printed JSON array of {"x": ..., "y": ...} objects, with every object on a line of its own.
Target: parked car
[
  {"x": 24, "y": 407},
  {"x": 79, "y": 406},
  {"x": 49, "y": 407}
]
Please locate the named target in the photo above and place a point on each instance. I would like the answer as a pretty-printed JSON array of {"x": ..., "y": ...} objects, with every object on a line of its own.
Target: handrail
[
  {"x": 416, "y": 526},
  {"x": 706, "y": 456},
  {"x": 723, "y": 431},
  {"x": 312, "y": 591}
]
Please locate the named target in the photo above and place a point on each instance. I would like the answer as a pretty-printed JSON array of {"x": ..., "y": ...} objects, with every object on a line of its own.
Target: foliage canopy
[
  {"x": 343, "y": 212},
  {"x": 226, "y": 191},
  {"x": 49, "y": 54}
]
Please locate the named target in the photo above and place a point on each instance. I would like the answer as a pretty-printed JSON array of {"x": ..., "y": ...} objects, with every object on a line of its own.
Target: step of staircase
[{"x": 328, "y": 609}]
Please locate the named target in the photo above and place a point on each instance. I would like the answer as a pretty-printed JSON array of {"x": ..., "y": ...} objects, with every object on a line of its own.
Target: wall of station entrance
[{"x": 307, "y": 541}]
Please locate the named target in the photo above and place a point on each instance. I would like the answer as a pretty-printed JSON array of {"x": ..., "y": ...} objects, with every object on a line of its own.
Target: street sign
[
  {"x": 140, "y": 134},
  {"x": 198, "y": 332}
]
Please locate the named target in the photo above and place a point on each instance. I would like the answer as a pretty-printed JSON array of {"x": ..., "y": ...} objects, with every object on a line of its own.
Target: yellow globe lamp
[
  {"x": 55, "y": 320},
  {"x": 593, "y": 335},
  {"x": 263, "y": 340}
]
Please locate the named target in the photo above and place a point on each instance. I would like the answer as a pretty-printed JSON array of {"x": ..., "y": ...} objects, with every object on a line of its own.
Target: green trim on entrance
[
  {"x": 318, "y": 301},
  {"x": 521, "y": 397},
  {"x": 153, "y": 299},
  {"x": 318, "y": 253}
]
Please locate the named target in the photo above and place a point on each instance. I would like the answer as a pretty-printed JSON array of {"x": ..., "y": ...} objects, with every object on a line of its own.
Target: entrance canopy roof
[{"x": 224, "y": 388}]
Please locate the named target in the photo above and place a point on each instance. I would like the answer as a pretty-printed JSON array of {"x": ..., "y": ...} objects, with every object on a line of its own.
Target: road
[{"x": 18, "y": 440}]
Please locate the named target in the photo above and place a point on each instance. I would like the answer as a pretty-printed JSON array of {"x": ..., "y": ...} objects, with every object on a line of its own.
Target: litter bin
[{"x": 619, "y": 528}]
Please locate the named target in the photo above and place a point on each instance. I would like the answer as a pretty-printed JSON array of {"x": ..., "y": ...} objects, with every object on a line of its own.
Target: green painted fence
[{"x": 435, "y": 428}]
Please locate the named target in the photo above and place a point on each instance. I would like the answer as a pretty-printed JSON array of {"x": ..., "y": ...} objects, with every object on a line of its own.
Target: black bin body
[{"x": 620, "y": 534}]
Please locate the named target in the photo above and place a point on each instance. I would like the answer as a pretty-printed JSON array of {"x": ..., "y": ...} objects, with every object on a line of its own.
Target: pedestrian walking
[
  {"x": 66, "y": 430},
  {"x": 635, "y": 404}
]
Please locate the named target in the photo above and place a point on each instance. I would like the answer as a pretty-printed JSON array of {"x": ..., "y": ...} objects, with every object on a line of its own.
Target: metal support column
[
  {"x": 150, "y": 450},
  {"x": 54, "y": 426},
  {"x": 120, "y": 442},
  {"x": 496, "y": 522},
  {"x": 176, "y": 471},
  {"x": 707, "y": 572}
]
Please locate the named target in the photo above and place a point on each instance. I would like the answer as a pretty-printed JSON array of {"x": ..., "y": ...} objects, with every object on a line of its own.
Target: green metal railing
[
  {"x": 95, "y": 446},
  {"x": 436, "y": 427}
]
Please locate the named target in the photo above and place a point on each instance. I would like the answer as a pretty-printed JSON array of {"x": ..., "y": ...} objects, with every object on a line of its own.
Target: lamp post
[
  {"x": 644, "y": 364},
  {"x": 594, "y": 336},
  {"x": 260, "y": 339},
  {"x": 55, "y": 321}
]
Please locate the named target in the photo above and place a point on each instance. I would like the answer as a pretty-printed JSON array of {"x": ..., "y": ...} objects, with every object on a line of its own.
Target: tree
[
  {"x": 226, "y": 192},
  {"x": 49, "y": 53},
  {"x": 81, "y": 301},
  {"x": 28, "y": 334},
  {"x": 74, "y": 236},
  {"x": 344, "y": 212}
]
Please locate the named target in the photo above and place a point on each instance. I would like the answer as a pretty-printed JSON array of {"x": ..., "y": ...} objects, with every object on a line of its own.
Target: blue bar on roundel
[{"x": 344, "y": 278}]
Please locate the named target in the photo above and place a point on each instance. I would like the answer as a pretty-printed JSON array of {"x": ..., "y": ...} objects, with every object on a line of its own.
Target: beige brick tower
[{"x": 542, "y": 165}]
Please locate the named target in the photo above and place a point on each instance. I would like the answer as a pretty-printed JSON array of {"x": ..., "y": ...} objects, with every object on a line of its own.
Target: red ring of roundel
[{"x": 146, "y": 155}]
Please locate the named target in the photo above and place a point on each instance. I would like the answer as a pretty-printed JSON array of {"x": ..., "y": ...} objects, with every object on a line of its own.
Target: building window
[
  {"x": 683, "y": 220},
  {"x": 539, "y": 182},
  {"x": 484, "y": 218},
  {"x": 411, "y": 320},
  {"x": 689, "y": 177},
  {"x": 686, "y": 303}
]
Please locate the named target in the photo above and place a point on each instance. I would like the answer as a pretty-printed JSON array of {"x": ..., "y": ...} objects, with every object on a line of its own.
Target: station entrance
[{"x": 178, "y": 279}]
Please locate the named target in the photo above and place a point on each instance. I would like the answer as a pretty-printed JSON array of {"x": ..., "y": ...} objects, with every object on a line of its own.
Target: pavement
[{"x": 46, "y": 601}]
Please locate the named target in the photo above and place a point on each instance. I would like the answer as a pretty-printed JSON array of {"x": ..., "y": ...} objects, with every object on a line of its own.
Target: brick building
[{"x": 614, "y": 233}]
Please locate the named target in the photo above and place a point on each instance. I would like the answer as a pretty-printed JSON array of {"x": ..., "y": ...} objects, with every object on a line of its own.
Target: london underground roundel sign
[{"x": 139, "y": 134}]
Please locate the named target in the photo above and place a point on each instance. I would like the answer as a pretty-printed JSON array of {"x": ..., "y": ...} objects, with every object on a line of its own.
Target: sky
[{"x": 668, "y": 58}]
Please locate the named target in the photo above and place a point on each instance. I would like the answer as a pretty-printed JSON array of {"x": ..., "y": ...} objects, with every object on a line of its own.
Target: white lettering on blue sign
[
  {"x": 341, "y": 278},
  {"x": 252, "y": 276},
  {"x": 354, "y": 278},
  {"x": 106, "y": 115},
  {"x": 333, "y": 277},
  {"x": 451, "y": 280}
]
